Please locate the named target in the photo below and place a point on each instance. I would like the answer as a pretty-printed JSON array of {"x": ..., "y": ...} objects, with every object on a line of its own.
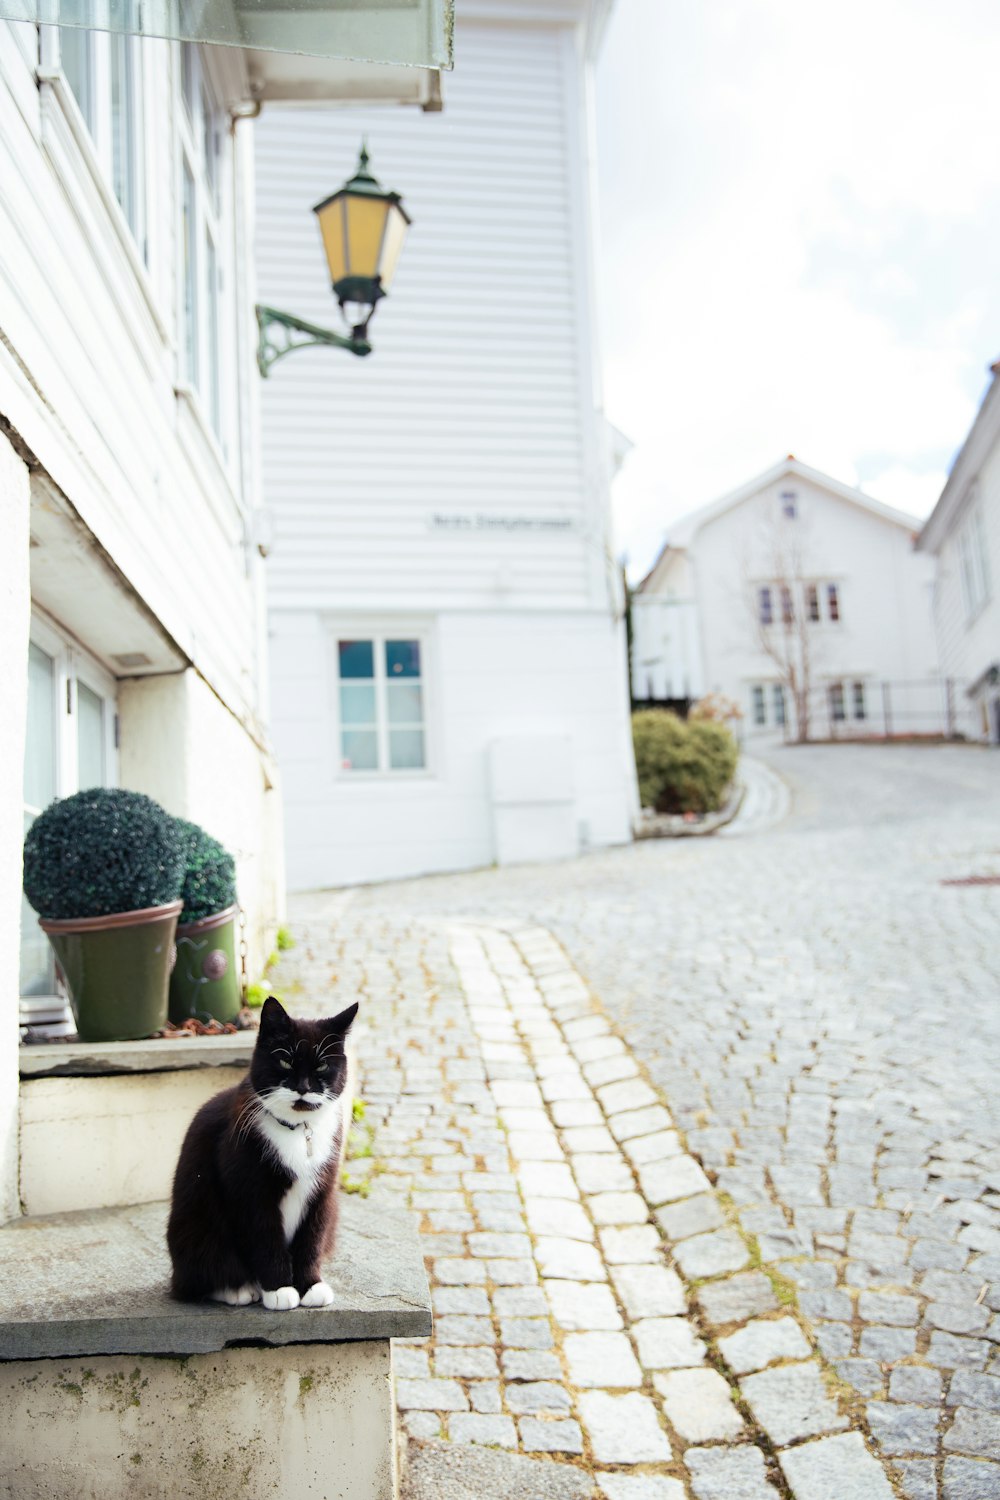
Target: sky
[{"x": 799, "y": 225}]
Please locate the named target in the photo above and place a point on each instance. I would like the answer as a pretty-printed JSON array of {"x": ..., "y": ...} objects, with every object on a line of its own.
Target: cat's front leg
[{"x": 281, "y": 1299}]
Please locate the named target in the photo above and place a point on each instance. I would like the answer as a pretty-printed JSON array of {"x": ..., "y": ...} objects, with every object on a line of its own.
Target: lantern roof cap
[{"x": 364, "y": 185}]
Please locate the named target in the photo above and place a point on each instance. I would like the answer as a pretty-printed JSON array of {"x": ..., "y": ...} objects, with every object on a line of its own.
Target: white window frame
[
  {"x": 204, "y": 374},
  {"x": 758, "y": 705},
  {"x": 779, "y": 704},
  {"x": 765, "y": 604},
  {"x": 973, "y": 564},
  {"x": 838, "y": 703},
  {"x": 832, "y": 591},
  {"x": 72, "y": 665},
  {"x": 95, "y": 128},
  {"x": 378, "y": 634},
  {"x": 859, "y": 700}
]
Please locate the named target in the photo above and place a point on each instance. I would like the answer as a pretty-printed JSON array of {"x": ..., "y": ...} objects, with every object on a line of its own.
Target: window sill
[{"x": 68, "y": 145}]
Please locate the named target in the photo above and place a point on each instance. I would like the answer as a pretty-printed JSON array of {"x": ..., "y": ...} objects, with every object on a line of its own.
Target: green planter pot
[
  {"x": 205, "y": 982},
  {"x": 116, "y": 970}
]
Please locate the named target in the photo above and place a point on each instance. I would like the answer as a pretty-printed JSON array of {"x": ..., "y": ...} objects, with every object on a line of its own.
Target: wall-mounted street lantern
[{"x": 363, "y": 228}]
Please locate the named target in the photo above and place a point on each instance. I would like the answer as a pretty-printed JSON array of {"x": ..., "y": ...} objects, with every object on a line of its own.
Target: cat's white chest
[{"x": 304, "y": 1153}]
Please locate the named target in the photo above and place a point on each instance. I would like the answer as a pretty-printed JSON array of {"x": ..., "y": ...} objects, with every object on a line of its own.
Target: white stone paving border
[{"x": 606, "y": 1192}]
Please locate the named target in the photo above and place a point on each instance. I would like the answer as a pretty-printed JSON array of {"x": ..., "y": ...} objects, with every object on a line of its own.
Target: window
[
  {"x": 381, "y": 704},
  {"x": 201, "y": 236},
  {"x": 778, "y": 699},
  {"x": 69, "y": 746},
  {"x": 973, "y": 564},
  {"x": 858, "y": 694},
  {"x": 832, "y": 602},
  {"x": 789, "y": 504},
  {"x": 838, "y": 711},
  {"x": 104, "y": 73},
  {"x": 812, "y": 602},
  {"x": 765, "y": 606},
  {"x": 787, "y": 606},
  {"x": 758, "y": 704}
]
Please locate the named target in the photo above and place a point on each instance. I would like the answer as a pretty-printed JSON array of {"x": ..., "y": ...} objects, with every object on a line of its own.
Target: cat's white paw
[
  {"x": 238, "y": 1296},
  {"x": 280, "y": 1300},
  {"x": 318, "y": 1295}
]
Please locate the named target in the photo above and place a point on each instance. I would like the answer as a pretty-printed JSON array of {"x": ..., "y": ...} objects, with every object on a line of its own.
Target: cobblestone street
[{"x": 814, "y": 1016}]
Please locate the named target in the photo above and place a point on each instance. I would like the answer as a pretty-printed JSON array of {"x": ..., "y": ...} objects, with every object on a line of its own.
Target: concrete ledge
[
  {"x": 94, "y": 1283},
  {"x": 308, "y": 1422},
  {"x": 98, "y": 1059}
]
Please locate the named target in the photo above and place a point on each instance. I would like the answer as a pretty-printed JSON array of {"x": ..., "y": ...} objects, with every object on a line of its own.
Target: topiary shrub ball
[
  {"x": 209, "y": 879},
  {"x": 682, "y": 765},
  {"x": 101, "y": 851}
]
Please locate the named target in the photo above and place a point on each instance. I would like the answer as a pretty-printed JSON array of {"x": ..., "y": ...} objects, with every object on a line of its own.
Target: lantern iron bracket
[{"x": 296, "y": 333}]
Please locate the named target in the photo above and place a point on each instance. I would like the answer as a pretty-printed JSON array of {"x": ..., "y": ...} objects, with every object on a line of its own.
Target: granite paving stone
[
  {"x": 737, "y": 1298},
  {"x": 840, "y": 1468},
  {"x": 667, "y": 1343},
  {"x": 729, "y": 1474},
  {"x": 699, "y": 1405},
  {"x": 560, "y": 1435},
  {"x": 974, "y": 1432},
  {"x": 760, "y": 1343},
  {"x": 601, "y": 1359},
  {"x": 649, "y": 1290},
  {"x": 711, "y": 1254},
  {"x": 623, "y": 1429},
  {"x": 791, "y": 1402},
  {"x": 903, "y": 1428},
  {"x": 967, "y": 1479},
  {"x": 639, "y": 1487},
  {"x": 578, "y": 1305}
]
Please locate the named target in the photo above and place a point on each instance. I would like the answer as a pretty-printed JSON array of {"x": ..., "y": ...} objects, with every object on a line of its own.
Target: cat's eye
[
  {"x": 285, "y": 1064},
  {"x": 322, "y": 1068}
]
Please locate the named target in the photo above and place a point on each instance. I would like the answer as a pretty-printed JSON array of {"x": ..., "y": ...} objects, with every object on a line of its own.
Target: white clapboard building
[
  {"x": 963, "y": 535},
  {"x": 796, "y": 570},
  {"x": 449, "y": 685},
  {"x": 132, "y": 603}
]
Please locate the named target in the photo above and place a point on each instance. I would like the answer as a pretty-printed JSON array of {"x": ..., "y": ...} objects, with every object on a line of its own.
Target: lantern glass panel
[
  {"x": 331, "y": 226},
  {"x": 365, "y": 228},
  {"x": 395, "y": 233}
]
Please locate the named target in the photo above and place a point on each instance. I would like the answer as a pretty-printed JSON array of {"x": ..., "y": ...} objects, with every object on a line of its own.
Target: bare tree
[{"x": 783, "y": 606}]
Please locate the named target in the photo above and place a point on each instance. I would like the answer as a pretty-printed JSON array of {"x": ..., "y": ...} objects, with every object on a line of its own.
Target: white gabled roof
[
  {"x": 683, "y": 532},
  {"x": 981, "y": 437}
]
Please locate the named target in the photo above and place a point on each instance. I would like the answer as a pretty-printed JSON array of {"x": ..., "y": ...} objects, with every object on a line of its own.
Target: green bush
[
  {"x": 209, "y": 883},
  {"x": 683, "y": 765},
  {"x": 101, "y": 851}
]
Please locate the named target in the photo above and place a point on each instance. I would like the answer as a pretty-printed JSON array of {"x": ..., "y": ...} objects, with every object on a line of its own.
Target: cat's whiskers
[{"x": 246, "y": 1119}]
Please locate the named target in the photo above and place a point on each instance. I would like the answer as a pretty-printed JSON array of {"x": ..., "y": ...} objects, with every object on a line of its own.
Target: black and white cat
[{"x": 254, "y": 1207}]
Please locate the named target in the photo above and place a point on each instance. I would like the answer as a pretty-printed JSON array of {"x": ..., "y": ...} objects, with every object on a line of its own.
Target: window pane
[
  {"x": 90, "y": 737},
  {"x": 779, "y": 703},
  {"x": 359, "y": 750},
  {"x": 357, "y": 658},
  {"x": 76, "y": 56},
  {"x": 406, "y": 749},
  {"x": 764, "y": 606},
  {"x": 812, "y": 601},
  {"x": 402, "y": 658},
  {"x": 40, "y": 743},
  {"x": 406, "y": 702},
  {"x": 759, "y": 707},
  {"x": 190, "y": 250},
  {"x": 833, "y": 601},
  {"x": 212, "y": 291},
  {"x": 122, "y": 142},
  {"x": 357, "y": 705}
]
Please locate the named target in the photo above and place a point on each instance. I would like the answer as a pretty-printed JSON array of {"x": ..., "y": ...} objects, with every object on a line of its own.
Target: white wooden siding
[
  {"x": 88, "y": 365},
  {"x": 473, "y": 400}
]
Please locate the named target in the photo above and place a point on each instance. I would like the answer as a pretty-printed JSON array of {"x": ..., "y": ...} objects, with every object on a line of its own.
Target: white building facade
[
  {"x": 132, "y": 604},
  {"x": 799, "y": 599},
  {"x": 963, "y": 536},
  {"x": 449, "y": 685}
]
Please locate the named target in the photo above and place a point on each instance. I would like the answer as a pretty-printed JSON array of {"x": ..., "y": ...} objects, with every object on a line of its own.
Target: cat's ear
[
  {"x": 273, "y": 1015},
  {"x": 340, "y": 1025}
]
